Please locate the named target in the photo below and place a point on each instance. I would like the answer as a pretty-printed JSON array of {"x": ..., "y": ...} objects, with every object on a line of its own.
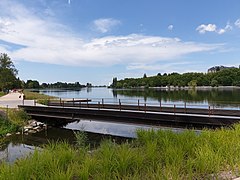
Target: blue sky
[{"x": 94, "y": 41}]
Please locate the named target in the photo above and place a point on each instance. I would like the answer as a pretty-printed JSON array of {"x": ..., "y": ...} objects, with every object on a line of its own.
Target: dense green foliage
[
  {"x": 153, "y": 155},
  {"x": 11, "y": 120},
  {"x": 34, "y": 84},
  {"x": 8, "y": 73},
  {"x": 225, "y": 77}
]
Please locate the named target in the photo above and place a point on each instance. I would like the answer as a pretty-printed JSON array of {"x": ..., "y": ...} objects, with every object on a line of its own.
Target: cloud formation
[
  {"x": 203, "y": 28},
  {"x": 237, "y": 23},
  {"x": 170, "y": 27},
  {"x": 105, "y": 25},
  {"x": 47, "y": 41}
]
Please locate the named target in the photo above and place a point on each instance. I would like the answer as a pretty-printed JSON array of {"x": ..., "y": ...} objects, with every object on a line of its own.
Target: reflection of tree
[
  {"x": 89, "y": 89},
  {"x": 114, "y": 93},
  {"x": 214, "y": 96}
]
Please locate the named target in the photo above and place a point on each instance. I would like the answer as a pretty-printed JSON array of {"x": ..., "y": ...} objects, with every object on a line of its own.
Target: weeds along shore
[{"x": 212, "y": 154}]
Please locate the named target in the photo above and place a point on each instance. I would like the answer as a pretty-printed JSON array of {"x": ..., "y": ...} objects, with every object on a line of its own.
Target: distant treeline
[
  {"x": 34, "y": 84},
  {"x": 225, "y": 77}
]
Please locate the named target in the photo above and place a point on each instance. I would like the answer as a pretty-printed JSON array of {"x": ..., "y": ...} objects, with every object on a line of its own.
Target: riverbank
[
  {"x": 14, "y": 120},
  {"x": 212, "y": 154}
]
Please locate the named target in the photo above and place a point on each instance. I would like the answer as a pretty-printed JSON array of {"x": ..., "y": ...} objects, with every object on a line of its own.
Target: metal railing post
[
  {"x": 120, "y": 108},
  {"x": 73, "y": 102},
  {"x": 98, "y": 105},
  {"x": 174, "y": 108},
  {"x": 87, "y": 103},
  {"x": 209, "y": 110},
  {"x": 160, "y": 105},
  {"x": 145, "y": 107},
  {"x": 138, "y": 105},
  {"x": 103, "y": 103},
  {"x": 185, "y": 107}
]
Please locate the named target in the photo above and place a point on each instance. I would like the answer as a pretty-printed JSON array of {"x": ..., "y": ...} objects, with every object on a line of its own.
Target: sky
[{"x": 92, "y": 41}]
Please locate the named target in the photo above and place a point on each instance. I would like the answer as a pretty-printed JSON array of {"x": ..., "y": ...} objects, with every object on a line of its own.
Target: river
[{"x": 17, "y": 146}]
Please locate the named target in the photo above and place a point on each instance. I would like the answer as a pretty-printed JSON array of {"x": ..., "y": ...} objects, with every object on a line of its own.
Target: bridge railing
[{"x": 139, "y": 105}]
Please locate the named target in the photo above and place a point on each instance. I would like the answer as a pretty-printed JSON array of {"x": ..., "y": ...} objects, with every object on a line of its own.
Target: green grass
[
  {"x": 1, "y": 93},
  {"x": 11, "y": 120},
  {"x": 41, "y": 98},
  {"x": 153, "y": 155}
]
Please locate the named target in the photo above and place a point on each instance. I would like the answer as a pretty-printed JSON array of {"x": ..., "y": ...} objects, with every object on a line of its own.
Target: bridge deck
[{"x": 133, "y": 114}]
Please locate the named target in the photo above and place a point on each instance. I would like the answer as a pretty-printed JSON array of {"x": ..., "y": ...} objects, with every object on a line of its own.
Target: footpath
[{"x": 13, "y": 99}]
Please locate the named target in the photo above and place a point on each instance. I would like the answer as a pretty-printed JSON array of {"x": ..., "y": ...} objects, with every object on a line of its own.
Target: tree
[
  {"x": 8, "y": 73},
  {"x": 114, "y": 83}
]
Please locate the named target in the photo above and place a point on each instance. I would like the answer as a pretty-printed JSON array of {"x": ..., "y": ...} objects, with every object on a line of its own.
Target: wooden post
[
  {"x": 103, "y": 103},
  {"x": 120, "y": 108},
  {"x": 98, "y": 105},
  {"x": 79, "y": 104},
  {"x": 34, "y": 102},
  {"x": 60, "y": 101},
  {"x": 138, "y": 105},
  {"x": 87, "y": 103},
  {"x": 145, "y": 107}
]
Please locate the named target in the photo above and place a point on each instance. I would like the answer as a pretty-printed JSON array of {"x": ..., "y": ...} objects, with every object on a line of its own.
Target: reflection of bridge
[{"x": 129, "y": 112}]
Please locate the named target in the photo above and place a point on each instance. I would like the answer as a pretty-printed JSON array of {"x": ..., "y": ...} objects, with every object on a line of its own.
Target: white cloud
[
  {"x": 105, "y": 25},
  {"x": 202, "y": 29},
  {"x": 170, "y": 27},
  {"x": 42, "y": 40},
  {"x": 237, "y": 23}
]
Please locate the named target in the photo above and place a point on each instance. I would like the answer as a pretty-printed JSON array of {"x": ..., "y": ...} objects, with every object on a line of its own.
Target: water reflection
[
  {"x": 217, "y": 97},
  {"x": 19, "y": 146},
  {"x": 227, "y": 97}
]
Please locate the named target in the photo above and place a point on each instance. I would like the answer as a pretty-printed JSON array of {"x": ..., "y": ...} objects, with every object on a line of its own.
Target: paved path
[{"x": 12, "y": 100}]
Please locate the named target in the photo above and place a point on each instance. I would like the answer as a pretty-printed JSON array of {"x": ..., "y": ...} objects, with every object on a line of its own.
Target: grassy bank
[
  {"x": 40, "y": 98},
  {"x": 1, "y": 93},
  {"x": 11, "y": 120},
  {"x": 153, "y": 155}
]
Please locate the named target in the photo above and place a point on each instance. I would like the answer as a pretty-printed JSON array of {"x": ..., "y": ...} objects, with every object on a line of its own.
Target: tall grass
[
  {"x": 153, "y": 155},
  {"x": 12, "y": 120}
]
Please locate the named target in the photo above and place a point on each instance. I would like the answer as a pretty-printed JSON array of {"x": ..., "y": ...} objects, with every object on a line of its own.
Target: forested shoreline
[{"x": 225, "y": 77}]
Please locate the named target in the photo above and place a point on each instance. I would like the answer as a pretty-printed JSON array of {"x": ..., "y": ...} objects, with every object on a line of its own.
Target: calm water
[
  {"x": 18, "y": 146},
  {"x": 222, "y": 98}
]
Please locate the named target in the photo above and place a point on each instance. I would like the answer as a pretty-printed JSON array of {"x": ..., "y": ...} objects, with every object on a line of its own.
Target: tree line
[
  {"x": 225, "y": 77},
  {"x": 9, "y": 79}
]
